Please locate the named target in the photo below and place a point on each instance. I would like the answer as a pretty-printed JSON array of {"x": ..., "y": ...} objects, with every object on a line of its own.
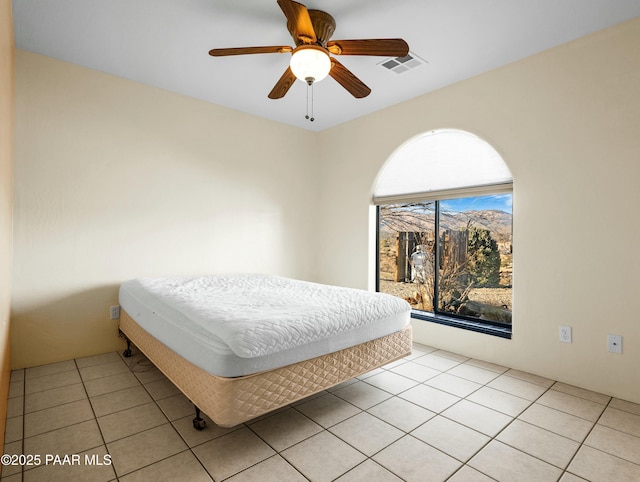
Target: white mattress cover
[{"x": 234, "y": 325}]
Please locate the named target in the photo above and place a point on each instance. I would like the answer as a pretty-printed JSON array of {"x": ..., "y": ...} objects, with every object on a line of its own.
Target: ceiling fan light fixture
[{"x": 310, "y": 63}]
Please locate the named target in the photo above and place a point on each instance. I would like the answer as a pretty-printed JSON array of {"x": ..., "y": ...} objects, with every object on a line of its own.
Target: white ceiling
[{"x": 165, "y": 43}]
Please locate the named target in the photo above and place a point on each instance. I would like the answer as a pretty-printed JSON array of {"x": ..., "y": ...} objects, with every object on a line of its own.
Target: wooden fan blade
[
  {"x": 298, "y": 22},
  {"x": 347, "y": 80},
  {"x": 389, "y": 47},
  {"x": 250, "y": 50},
  {"x": 283, "y": 85}
]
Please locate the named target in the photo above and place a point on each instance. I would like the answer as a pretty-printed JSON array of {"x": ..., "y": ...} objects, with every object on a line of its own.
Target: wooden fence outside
[{"x": 453, "y": 250}]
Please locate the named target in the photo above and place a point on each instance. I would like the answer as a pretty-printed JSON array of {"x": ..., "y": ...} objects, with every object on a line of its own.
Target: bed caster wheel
[
  {"x": 126, "y": 353},
  {"x": 199, "y": 423}
]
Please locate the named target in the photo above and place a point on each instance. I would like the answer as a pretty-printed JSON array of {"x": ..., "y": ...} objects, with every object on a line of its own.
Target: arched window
[{"x": 444, "y": 203}]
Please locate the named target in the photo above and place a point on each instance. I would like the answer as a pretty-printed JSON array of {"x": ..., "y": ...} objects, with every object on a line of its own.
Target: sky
[{"x": 498, "y": 202}]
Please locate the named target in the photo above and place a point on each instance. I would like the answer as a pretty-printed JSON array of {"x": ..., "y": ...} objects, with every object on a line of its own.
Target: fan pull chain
[{"x": 310, "y": 88}]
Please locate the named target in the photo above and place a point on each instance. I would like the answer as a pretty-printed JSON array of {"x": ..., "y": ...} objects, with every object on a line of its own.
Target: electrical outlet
[
  {"x": 565, "y": 334},
  {"x": 615, "y": 343},
  {"x": 114, "y": 312}
]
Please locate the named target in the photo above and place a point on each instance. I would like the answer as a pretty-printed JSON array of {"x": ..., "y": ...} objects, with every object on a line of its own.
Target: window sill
[{"x": 477, "y": 326}]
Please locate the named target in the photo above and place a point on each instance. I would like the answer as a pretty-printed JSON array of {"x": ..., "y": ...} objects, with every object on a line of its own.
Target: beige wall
[
  {"x": 566, "y": 122},
  {"x": 116, "y": 180},
  {"x": 6, "y": 198}
]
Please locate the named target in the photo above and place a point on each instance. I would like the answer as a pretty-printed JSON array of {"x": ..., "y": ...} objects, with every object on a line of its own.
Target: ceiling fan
[{"x": 311, "y": 60}]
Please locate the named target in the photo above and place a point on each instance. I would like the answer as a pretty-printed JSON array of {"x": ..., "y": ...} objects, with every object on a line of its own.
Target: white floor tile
[{"x": 420, "y": 418}]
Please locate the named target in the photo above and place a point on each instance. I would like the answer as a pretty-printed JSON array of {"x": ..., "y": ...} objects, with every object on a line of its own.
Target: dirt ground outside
[{"x": 491, "y": 296}]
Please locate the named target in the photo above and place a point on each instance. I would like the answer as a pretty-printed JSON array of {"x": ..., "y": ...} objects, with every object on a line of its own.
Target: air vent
[{"x": 403, "y": 64}]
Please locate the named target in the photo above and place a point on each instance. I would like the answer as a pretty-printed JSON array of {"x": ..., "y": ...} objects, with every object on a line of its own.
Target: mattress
[{"x": 235, "y": 325}]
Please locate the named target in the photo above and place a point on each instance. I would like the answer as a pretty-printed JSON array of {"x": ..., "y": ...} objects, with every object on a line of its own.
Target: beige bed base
[{"x": 231, "y": 401}]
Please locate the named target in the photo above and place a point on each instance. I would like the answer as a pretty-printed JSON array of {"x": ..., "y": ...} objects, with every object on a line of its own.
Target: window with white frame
[{"x": 444, "y": 231}]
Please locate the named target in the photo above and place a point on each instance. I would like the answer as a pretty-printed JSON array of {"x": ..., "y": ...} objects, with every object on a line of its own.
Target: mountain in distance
[{"x": 496, "y": 221}]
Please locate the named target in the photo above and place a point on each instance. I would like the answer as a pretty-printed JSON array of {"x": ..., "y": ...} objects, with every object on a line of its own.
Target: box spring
[{"x": 231, "y": 401}]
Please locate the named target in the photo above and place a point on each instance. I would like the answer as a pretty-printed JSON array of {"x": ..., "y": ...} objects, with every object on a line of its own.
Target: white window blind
[{"x": 442, "y": 164}]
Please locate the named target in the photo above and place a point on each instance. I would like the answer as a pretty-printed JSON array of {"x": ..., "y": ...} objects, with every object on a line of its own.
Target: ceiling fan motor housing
[{"x": 323, "y": 24}]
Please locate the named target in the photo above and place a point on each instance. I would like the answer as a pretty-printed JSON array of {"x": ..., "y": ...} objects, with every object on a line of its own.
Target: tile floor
[{"x": 433, "y": 416}]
